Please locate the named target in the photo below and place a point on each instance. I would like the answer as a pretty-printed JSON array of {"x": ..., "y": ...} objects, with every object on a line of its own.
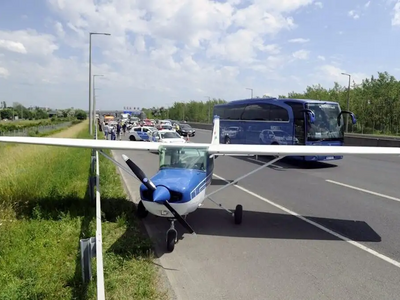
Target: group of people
[{"x": 114, "y": 131}]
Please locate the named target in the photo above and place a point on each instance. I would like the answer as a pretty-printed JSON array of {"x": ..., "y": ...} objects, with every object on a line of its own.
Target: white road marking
[
  {"x": 364, "y": 190},
  {"x": 356, "y": 244}
]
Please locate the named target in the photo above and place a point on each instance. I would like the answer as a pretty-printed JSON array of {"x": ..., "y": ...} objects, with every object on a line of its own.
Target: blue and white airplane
[{"x": 179, "y": 187}]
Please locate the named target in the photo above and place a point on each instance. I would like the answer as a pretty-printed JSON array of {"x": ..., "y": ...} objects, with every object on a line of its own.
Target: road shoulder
[{"x": 132, "y": 190}]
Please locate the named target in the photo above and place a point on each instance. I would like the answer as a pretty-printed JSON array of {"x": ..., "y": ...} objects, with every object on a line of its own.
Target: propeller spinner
[{"x": 161, "y": 194}]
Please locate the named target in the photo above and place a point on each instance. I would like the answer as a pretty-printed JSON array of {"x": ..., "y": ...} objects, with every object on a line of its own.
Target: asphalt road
[{"x": 275, "y": 255}]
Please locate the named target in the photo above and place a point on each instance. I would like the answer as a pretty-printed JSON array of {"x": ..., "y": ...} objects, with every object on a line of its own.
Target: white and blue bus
[{"x": 273, "y": 121}]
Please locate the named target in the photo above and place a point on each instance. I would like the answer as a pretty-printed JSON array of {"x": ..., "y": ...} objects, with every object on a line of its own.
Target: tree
[
  {"x": 80, "y": 114},
  {"x": 375, "y": 102}
]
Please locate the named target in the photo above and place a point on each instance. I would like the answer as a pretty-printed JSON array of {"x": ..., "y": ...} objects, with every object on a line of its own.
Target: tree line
[
  {"x": 37, "y": 113},
  {"x": 375, "y": 102}
]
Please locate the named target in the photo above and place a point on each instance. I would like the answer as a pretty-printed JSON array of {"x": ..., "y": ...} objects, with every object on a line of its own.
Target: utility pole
[
  {"x": 90, "y": 78},
  {"x": 251, "y": 92},
  {"x": 209, "y": 108},
  {"x": 94, "y": 99},
  {"x": 348, "y": 101}
]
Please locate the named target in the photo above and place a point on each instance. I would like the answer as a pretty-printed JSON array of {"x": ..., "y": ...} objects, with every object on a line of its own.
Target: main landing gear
[{"x": 172, "y": 234}]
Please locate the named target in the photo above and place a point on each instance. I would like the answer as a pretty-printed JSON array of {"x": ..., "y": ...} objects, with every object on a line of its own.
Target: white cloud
[
  {"x": 320, "y": 57},
  {"x": 28, "y": 41},
  {"x": 366, "y": 5},
  {"x": 301, "y": 54},
  {"x": 158, "y": 51},
  {"x": 332, "y": 74},
  {"x": 319, "y": 4},
  {"x": 299, "y": 40},
  {"x": 12, "y": 46},
  {"x": 4, "y": 73},
  {"x": 396, "y": 14},
  {"x": 353, "y": 14}
]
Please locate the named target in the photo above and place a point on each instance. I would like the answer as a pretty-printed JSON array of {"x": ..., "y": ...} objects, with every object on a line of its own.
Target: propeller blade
[
  {"x": 178, "y": 217},
  {"x": 139, "y": 173},
  {"x": 161, "y": 194}
]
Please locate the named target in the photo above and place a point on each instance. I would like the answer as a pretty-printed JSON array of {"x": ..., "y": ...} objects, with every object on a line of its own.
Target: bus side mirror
[
  {"x": 310, "y": 114},
  {"x": 353, "y": 117}
]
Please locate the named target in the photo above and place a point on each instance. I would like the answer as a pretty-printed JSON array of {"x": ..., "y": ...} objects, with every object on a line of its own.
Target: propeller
[{"x": 160, "y": 194}]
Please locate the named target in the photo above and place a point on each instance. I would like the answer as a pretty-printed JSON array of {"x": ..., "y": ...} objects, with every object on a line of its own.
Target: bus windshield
[{"x": 325, "y": 126}]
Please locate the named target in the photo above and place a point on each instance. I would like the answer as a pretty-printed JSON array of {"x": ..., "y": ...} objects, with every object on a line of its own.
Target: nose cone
[{"x": 161, "y": 194}]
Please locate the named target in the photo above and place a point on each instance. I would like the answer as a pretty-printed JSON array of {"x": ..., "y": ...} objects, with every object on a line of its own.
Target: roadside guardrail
[
  {"x": 93, "y": 246},
  {"x": 350, "y": 139}
]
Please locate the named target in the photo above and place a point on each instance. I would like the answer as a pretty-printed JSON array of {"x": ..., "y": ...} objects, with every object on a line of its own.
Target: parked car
[
  {"x": 144, "y": 133},
  {"x": 167, "y": 136},
  {"x": 186, "y": 130}
]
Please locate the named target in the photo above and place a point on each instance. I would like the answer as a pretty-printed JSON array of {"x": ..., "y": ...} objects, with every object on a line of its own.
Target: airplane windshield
[
  {"x": 183, "y": 158},
  {"x": 325, "y": 126}
]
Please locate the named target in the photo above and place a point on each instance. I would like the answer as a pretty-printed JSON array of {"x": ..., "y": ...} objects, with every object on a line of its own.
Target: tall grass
[{"x": 45, "y": 210}]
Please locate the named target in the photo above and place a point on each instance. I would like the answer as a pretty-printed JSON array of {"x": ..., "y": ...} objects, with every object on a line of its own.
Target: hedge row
[{"x": 11, "y": 126}]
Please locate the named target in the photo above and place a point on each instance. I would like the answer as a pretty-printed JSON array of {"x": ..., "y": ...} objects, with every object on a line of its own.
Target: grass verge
[{"x": 45, "y": 209}]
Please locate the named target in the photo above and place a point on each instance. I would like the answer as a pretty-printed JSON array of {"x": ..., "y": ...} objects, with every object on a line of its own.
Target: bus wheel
[{"x": 227, "y": 140}]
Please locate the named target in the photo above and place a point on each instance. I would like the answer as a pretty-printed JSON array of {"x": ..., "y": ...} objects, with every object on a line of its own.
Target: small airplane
[{"x": 179, "y": 187}]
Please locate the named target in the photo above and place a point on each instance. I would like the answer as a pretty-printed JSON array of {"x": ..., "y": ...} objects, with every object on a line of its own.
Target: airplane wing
[
  {"x": 81, "y": 143},
  {"x": 284, "y": 150},
  {"x": 216, "y": 149}
]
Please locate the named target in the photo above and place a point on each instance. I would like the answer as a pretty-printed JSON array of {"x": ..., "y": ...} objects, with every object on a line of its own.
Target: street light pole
[
  {"x": 251, "y": 92},
  {"x": 90, "y": 78},
  {"x": 209, "y": 108},
  {"x": 348, "y": 102},
  {"x": 94, "y": 99}
]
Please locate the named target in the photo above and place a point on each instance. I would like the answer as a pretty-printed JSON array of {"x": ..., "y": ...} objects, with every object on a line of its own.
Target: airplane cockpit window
[{"x": 195, "y": 158}]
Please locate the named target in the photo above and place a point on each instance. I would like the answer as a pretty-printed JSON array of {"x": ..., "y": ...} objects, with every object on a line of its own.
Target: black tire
[
  {"x": 171, "y": 239},
  {"x": 238, "y": 214},
  {"x": 132, "y": 138},
  {"x": 141, "y": 210}
]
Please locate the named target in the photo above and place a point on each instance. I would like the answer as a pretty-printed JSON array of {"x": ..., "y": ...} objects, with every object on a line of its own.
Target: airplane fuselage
[{"x": 186, "y": 186}]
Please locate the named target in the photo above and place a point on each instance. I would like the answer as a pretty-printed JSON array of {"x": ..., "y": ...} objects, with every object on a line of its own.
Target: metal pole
[
  {"x": 90, "y": 78},
  {"x": 348, "y": 101},
  {"x": 209, "y": 108},
  {"x": 348, "y": 106},
  {"x": 90, "y": 84},
  {"x": 251, "y": 92},
  {"x": 94, "y": 100}
]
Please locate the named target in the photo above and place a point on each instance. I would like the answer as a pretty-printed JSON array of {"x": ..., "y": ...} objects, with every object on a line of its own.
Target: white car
[{"x": 167, "y": 136}]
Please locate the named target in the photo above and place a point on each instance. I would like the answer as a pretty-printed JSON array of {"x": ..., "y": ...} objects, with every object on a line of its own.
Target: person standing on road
[
  {"x": 124, "y": 128},
  {"x": 106, "y": 130},
  {"x": 119, "y": 130}
]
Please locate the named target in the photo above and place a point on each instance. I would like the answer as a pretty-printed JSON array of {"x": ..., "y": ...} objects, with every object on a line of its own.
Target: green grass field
[{"x": 45, "y": 210}]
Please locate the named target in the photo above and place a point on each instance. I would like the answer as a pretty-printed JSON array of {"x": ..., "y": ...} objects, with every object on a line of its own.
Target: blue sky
[{"x": 160, "y": 52}]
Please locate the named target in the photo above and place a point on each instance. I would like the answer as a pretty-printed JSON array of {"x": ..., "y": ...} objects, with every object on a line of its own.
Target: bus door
[{"x": 299, "y": 129}]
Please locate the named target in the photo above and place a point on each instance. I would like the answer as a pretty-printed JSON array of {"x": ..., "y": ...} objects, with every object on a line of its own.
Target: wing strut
[
  {"x": 126, "y": 169},
  {"x": 246, "y": 175}
]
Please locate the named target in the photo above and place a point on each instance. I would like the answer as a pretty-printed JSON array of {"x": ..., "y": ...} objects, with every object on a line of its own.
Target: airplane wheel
[
  {"x": 141, "y": 210},
  {"x": 171, "y": 239},
  {"x": 238, "y": 214}
]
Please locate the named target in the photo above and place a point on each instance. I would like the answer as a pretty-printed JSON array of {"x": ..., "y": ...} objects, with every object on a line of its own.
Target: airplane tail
[{"x": 215, "y": 132}]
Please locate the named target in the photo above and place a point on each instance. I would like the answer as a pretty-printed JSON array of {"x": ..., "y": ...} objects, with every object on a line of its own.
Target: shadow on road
[{"x": 216, "y": 222}]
